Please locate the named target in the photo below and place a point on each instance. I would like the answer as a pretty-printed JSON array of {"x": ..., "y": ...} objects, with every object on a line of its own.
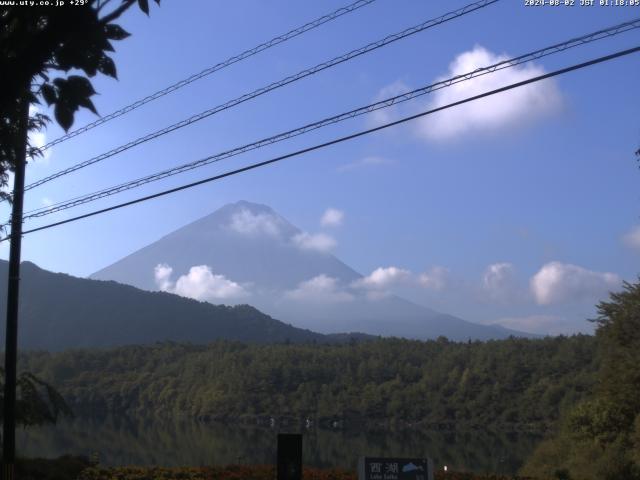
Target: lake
[{"x": 121, "y": 441}]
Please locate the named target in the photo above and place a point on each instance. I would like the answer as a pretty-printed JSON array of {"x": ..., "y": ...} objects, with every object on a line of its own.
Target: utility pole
[{"x": 13, "y": 290}]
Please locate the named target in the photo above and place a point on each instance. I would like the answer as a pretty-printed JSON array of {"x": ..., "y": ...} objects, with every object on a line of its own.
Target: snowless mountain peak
[{"x": 246, "y": 252}]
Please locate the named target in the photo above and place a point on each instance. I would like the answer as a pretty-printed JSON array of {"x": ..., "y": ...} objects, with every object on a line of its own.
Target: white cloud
[
  {"x": 383, "y": 277},
  {"x": 434, "y": 279},
  {"x": 632, "y": 238},
  {"x": 499, "y": 283},
  {"x": 495, "y": 112},
  {"x": 558, "y": 282},
  {"x": 246, "y": 222},
  {"x": 162, "y": 274},
  {"x": 319, "y": 289},
  {"x": 372, "y": 161},
  {"x": 200, "y": 284},
  {"x": 386, "y": 115},
  {"x": 332, "y": 217},
  {"x": 319, "y": 242}
]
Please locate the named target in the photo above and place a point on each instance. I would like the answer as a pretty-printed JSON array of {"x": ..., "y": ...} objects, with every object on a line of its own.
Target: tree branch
[{"x": 126, "y": 4}]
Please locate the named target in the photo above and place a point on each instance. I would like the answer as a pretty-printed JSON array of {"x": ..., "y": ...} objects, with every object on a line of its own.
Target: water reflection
[{"x": 174, "y": 443}]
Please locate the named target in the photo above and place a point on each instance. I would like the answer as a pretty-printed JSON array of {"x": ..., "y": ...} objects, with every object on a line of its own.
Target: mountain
[
  {"x": 246, "y": 252},
  {"x": 58, "y": 311}
]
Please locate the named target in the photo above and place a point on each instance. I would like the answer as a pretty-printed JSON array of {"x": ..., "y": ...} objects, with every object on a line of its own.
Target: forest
[{"x": 509, "y": 384}]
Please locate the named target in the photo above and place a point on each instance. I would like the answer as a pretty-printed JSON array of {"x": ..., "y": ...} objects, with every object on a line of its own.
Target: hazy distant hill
[
  {"x": 59, "y": 311},
  {"x": 250, "y": 244}
]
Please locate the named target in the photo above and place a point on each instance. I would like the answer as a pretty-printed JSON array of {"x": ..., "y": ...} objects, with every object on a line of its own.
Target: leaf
[
  {"x": 108, "y": 47},
  {"x": 73, "y": 92},
  {"x": 88, "y": 104},
  {"x": 144, "y": 6},
  {"x": 107, "y": 67},
  {"x": 115, "y": 32},
  {"x": 49, "y": 93},
  {"x": 70, "y": 55},
  {"x": 79, "y": 86},
  {"x": 37, "y": 121},
  {"x": 90, "y": 62},
  {"x": 64, "y": 115}
]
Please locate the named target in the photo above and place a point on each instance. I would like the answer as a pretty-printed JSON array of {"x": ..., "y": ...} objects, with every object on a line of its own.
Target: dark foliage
[
  {"x": 63, "y": 468},
  {"x": 508, "y": 384},
  {"x": 38, "y": 43},
  {"x": 37, "y": 402},
  {"x": 600, "y": 437}
]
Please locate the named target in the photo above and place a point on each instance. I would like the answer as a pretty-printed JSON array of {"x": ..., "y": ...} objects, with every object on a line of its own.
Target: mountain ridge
[
  {"x": 60, "y": 311},
  {"x": 251, "y": 244}
]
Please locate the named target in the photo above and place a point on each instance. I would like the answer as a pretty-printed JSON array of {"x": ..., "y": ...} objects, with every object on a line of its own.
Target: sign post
[
  {"x": 380, "y": 468},
  {"x": 289, "y": 456}
]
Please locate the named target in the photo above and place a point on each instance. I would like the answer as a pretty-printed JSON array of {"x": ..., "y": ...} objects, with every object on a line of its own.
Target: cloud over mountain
[
  {"x": 162, "y": 274},
  {"x": 558, "y": 282},
  {"x": 200, "y": 284},
  {"x": 319, "y": 242},
  {"x": 246, "y": 222},
  {"x": 319, "y": 289},
  {"x": 384, "y": 277},
  {"x": 435, "y": 278}
]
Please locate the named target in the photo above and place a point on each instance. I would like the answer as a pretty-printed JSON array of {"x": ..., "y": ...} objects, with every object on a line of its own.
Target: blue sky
[{"x": 522, "y": 210}]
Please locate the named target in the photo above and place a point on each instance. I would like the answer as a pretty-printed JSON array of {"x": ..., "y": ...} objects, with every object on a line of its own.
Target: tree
[
  {"x": 34, "y": 42},
  {"x": 39, "y": 46},
  {"x": 38, "y": 402},
  {"x": 619, "y": 339},
  {"x": 600, "y": 437}
]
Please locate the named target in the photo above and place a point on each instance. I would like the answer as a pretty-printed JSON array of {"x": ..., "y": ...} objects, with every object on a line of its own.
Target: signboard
[{"x": 378, "y": 468}]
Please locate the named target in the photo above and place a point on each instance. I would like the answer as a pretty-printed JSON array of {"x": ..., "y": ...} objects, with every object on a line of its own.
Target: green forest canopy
[{"x": 514, "y": 383}]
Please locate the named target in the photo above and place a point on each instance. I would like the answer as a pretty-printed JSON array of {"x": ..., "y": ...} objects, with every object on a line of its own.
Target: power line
[
  {"x": 273, "y": 86},
  {"x": 208, "y": 71},
  {"x": 338, "y": 140},
  {"x": 560, "y": 47}
]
